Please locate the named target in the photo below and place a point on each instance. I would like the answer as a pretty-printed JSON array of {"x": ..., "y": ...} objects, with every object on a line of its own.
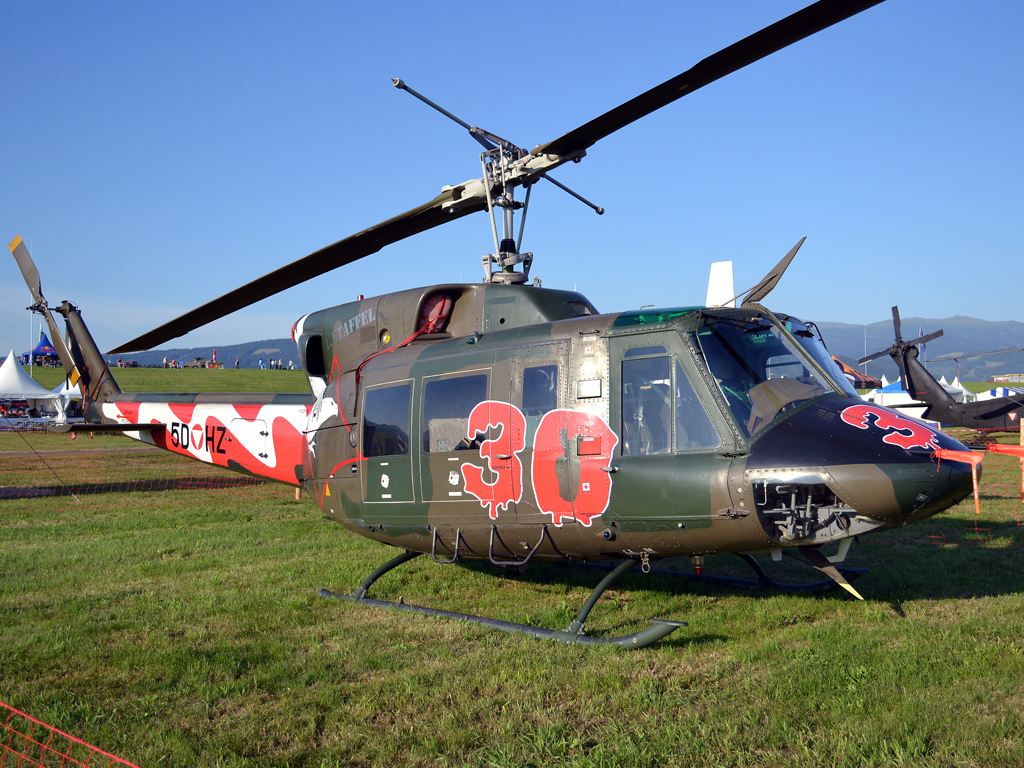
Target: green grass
[
  {"x": 182, "y": 628},
  {"x": 192, "y": 380}
]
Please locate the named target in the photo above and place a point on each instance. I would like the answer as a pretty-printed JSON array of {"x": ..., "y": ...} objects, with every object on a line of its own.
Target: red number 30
[
  {"x": 500, "y": 454},
  {"x": 594, "y": 486}
]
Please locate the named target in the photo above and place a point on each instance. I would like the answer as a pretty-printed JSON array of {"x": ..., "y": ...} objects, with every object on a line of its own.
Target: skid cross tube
[
  {"x": 576, "y": 628},
  {"x": 394, "y": 562},
  {"x": 660, "y": 627}
]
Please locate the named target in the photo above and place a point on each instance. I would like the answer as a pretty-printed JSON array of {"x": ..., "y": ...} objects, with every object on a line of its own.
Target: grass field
[
  {"x": 182, "y": 628},
  {"x": 191, "y": 380}
]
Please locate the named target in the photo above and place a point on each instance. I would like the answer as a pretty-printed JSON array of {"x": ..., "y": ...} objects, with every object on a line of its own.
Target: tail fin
[
  {"x": 921, "y": 385},
  {"x": 83, "y": 362},
  {"x": 98, "y": 382}
]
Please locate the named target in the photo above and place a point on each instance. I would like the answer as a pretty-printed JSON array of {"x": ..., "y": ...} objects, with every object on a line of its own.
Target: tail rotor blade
[
  {"x": 875, "y": 356},
  {"x": 924, "y": 339},
  {"x": 901, "y": 364},
  {"x": 27, "y": 267},
  {"x": 31, "y": 275},
  {"x": 896, "y": 323}
]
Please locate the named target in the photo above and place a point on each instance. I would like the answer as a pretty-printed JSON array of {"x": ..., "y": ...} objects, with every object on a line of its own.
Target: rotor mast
[{"x": 505, "y": 166}]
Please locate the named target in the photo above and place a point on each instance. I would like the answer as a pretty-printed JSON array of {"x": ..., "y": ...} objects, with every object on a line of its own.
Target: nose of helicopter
[{"x": 876, "y": 460}]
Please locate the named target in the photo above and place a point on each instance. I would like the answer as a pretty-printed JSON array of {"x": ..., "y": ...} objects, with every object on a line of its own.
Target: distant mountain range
[{"x": 963, "y": 335}]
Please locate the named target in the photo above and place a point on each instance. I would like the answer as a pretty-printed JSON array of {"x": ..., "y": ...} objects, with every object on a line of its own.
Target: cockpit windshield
[
  {"x": 810, "y": 339},
  {"x": 760, "y": 370}
]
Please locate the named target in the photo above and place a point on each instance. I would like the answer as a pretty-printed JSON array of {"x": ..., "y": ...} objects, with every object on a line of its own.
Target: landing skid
[{"x": 573, "y": 634}]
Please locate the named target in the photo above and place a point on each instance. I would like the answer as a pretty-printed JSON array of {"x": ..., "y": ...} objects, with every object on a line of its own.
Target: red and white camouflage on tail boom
[{"x": 266, "y": 440}]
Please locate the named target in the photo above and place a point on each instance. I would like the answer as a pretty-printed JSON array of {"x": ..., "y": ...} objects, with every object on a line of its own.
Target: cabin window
[
  {"x": 447, "y": 404},
  {"x": 645, "y": 351},
  {"x": 694, "y": 430},
  {"x": 386, "y": 412},
  {"x": 646, "y": 406},
  {"x": 540, "y": 390}
]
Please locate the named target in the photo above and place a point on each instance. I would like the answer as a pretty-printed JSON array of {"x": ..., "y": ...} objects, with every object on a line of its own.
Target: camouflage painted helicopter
[{"x": 515, "y": 423}]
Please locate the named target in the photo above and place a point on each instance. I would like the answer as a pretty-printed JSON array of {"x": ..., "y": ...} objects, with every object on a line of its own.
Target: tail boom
[{"x": 259, "y": 435}]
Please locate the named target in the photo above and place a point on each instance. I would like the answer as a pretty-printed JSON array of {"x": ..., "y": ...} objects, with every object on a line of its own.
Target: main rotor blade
[
  {"x": 27, "y": 267},
  {"x": 779, "y": 35},
  {"x": 896, "y": 323},
  {"x": 444, "y": 208},
  {"x": 770, "y": 280},
  {"x": 371, "y": 240},
  {"x": 976, "y": 354}
]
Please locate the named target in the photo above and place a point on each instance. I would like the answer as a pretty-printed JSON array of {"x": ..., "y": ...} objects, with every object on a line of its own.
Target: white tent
[
  {"x": 893, "y": 395},
  {"x": 15, "y": 384},
  {"x": 68, "y": 392},
  {"x": 992, "y": 394},
  {"x": 65, "y": 394}
]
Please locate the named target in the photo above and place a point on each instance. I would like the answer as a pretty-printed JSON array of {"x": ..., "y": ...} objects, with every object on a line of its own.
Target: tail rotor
[{"x": 31, "y": 275}]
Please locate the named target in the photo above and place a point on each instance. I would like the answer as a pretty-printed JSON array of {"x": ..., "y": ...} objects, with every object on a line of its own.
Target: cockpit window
[
  {"x": 760, "y": 371},
  {"x": 646, "y": 406},
  {"x": 810, "y": 339}
]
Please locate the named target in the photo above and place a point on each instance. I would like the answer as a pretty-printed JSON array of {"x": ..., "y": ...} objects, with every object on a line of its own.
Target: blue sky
[{"x": 154, "y": 157}]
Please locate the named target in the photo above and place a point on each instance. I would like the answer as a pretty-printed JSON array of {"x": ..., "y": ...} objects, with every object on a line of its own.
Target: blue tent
[{"x": 43, "y": 350}]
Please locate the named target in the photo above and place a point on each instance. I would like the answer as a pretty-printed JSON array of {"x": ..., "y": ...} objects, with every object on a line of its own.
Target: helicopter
[
  {"x": 1002, "y": 413},
  {"x": 515, "y": 423}
]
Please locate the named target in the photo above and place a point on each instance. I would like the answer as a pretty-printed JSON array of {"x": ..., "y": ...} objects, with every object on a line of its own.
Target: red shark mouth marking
[{"x": 903, "y": 432}]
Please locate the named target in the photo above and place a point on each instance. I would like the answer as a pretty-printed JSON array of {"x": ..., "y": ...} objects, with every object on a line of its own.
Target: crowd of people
[
  {"x": 268, "y": 365},
  {"x": 274, "y": 365}
]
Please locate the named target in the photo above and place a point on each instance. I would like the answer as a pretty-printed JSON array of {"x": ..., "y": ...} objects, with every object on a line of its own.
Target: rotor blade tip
[
  {"x": 852, "y": 591},
  {"x": 15, "y": 243}
]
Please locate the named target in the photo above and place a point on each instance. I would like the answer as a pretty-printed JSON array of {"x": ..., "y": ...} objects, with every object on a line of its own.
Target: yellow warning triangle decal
[{"x": 327, "y": 490}]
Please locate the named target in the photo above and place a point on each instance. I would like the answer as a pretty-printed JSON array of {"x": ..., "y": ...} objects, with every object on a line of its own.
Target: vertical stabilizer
[{"x": 99, "y": 385}]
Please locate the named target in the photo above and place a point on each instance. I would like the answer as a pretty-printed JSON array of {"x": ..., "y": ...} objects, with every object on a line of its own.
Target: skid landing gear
[{"x": 574, "y": 634}]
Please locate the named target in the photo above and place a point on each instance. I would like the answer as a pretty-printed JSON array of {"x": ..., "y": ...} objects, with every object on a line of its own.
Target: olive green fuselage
[{"x": 517, "y": 428}]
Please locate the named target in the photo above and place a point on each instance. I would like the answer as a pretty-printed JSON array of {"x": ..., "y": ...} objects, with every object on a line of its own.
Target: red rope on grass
[{"x": 30, "y": 749}]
